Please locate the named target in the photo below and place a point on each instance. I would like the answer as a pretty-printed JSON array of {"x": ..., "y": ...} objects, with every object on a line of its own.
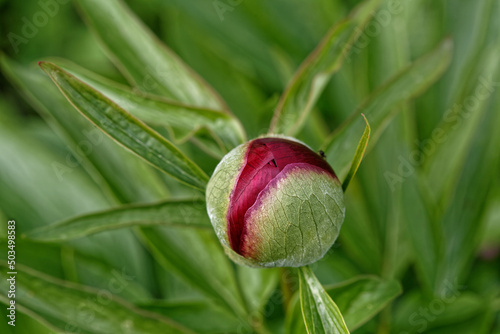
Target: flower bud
[{"x": 274, "y": 202}]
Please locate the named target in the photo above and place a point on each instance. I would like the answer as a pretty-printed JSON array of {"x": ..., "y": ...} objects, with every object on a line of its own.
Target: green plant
[{"x": 119, "y": 242}]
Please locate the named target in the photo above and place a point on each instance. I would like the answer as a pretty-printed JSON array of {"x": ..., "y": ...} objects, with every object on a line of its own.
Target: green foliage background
[{"x": 419, "y": 249}]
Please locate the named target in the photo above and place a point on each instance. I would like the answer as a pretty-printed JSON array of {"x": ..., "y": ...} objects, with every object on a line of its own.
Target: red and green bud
[{"x": 274, "y": 202}]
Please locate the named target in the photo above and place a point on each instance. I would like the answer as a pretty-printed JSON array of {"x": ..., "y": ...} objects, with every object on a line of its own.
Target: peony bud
[{"x": 274, "y": 202}]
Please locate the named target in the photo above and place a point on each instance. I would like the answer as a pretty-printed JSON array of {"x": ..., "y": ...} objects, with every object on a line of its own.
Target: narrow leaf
[
  {"x": 185, "y": 120},
  {"x": 98, "y": 154},
  {"x": 92, "y": 270},
  {"x": 65, "y": 305},
  {"x": 381, "y": 105},
  {"x": 203, "y": 264},
  {"x": 358, "y": 156},
  {"x": 257, "y": 285},
  {"x": 311, "y": 78},
  {"x": 460, "y": 308},
  {"x": 459, "y": 125},
  {"x": 34, "y": 194},
  {"x": 462, "y": 228},
  {"x": 199, "y": 316},
  {"x": 321, "y": 314},
  {"x": 294, "y": 321},
  {"x": 361, "y": 298},
  {"x": 188, "y": 213},
  {"x": 126, "y": 129},
  {"x": 50, "y": 188},
  {"x": 423, "y": 231},
  {"x": 30, "y": 324},
  {"x": 144, "y": 60}
]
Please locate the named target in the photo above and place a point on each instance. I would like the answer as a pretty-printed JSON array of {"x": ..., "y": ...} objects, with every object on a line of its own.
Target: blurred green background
[{"x": 424, "y": 208}]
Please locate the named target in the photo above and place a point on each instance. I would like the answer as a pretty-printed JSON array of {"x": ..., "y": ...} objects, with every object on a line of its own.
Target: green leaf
[
  {"x": 55, "y": 185},
  {"x": 454, "y": 135},
  {"x": 311, "y": 78},
  {"x": 92, "y": 270},
  {"x": 183, "y": 213},
  {"x": 361, "y": 298},
  {"x": 459, "y": 309},
  {"x": 98, "y": 155},
  {"x": 380, "y": 106},
  {"x": 34, "y": 194},
  {"x": 423, "y": 232},
  {"x": 462, "y": 228},
  {"x": 321, "y": 314},
  {"x": 184, "y": 120},
  {"x": 66, "y": 306},
  {"x": 358, "y": 231},
  {"x": 203, "y": 264},
  {"x": 294, "y": 321},
  {"x": 199, "y": 316},
  {"x": 144, "y": 60},
  {"x": 358, "y": 156},
  {"x": 257, "y": 285},
  {"x": 126, "y": 129},
  {"x": 29, "y": 324},
  {"x": 491, "y": 232}
]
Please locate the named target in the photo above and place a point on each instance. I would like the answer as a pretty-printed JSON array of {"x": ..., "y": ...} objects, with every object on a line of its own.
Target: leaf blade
[
  {"x": 378, "y": 107},
  {"x": 154, "y": 109},
  {"x": 321, "y": 314},
  {"x": 36, "y": 292},
  {"x": 126, "y": 129},
  {"x": 205, "y": 258},
  {"x": 361, "y": 298},
  {"x": 199, "y": 316},
  {"x": 358, "y": 156},
  {"x": 257, "y": 285},
  {"x": 142, "y": 58},
  {"x": 106, "y": 165},
  {"x": 181, "y": 213},
  {"x": 309, "y": 81},
  {"x": 462, "y": 227}
]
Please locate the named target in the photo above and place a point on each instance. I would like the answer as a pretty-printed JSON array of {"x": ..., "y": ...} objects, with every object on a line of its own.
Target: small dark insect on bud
[{"x": 322, "y": 154}]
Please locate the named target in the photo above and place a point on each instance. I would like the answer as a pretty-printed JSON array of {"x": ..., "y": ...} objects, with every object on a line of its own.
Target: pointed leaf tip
[
  {"x": 321, "y": 314},
  {"x": 381, "y": 105},
  {"x": 307, "y": 84},
  {"x": 358, "y": 156},
  {"x": 125, "y": 129}
]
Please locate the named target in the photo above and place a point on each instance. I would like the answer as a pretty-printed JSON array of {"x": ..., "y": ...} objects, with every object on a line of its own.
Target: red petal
[{"x": 265, "y": 159}]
